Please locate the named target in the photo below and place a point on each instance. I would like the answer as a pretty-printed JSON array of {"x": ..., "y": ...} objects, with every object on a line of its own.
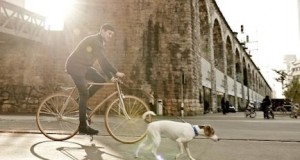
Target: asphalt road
[{"x": 241, "y": 139}]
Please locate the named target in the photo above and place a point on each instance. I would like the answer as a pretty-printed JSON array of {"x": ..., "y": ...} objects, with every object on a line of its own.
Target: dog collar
[{"x": 195, "y": 131}]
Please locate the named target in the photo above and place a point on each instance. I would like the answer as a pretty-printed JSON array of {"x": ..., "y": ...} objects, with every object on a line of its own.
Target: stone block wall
[{"x": 30, "y": 71}]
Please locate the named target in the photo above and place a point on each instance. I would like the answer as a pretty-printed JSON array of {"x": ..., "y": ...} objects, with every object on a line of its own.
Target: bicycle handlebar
[{"x": 116, "y": 80}]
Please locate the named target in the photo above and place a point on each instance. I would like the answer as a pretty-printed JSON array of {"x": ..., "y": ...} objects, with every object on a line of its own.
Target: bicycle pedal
[{"x": 91, "y": 138}]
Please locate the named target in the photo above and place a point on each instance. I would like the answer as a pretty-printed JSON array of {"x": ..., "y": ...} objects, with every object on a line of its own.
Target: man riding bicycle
[{"x": 79, "y": 65}]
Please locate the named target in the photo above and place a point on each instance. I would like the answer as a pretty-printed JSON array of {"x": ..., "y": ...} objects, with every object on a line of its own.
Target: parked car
[{"x": 232, "y": 109}]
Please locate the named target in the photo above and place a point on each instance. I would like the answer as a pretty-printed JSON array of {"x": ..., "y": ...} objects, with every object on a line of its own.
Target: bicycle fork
[{"x": 122, "y": 106}]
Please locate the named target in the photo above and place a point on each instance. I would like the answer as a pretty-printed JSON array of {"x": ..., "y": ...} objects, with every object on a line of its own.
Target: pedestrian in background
[
  {"x": 227, "y": 104},
  {"x": 223, "y": 105},
  {"x": 206, "y": 106},
  {"x": 265, "y": 106}
]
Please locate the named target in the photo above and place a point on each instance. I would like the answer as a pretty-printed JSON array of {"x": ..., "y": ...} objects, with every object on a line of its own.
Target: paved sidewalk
[
  {"x": 18, "y": 123},
  {"x": 27, "y": 123},
  {"x": 241, "y": 139}
]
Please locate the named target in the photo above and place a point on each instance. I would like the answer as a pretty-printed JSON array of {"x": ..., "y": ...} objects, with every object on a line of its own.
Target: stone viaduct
[{"x": 181, "y": 50}]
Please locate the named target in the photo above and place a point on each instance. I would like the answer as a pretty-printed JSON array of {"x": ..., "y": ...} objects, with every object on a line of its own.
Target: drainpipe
[{"x": 182, "y": 83}]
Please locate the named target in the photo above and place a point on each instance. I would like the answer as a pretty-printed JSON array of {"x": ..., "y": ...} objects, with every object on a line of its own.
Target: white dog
[{"x": 180, "y": 132}]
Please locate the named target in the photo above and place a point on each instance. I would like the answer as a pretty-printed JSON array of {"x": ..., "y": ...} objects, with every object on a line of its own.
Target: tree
[
  {"x": 281, "y": 78},
  {"x": 293, "y": 90}
]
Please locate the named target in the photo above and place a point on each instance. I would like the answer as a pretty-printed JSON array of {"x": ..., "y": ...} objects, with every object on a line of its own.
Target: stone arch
[
  {"x": 238, "y": 66},
  {"x": 252, "y": 79},
  {"x": 256, "y": 82},
  {"x": 218, "y": 47},
  {"x": 260, "y": 84},
  {"x": 249, "y": 76},
  {"x": 204, "y": 30},
  {"x": 229, "y": 57}
]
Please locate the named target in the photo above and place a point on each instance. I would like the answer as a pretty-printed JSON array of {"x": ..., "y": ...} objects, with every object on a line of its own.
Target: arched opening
[
  {"x": 245, "y": 73},
  {"x": 204, "y": 30},
  {"x": 229, "y": 55},
  {"x": 218, "y": 47},
  {"x": 238, "y": 70}
]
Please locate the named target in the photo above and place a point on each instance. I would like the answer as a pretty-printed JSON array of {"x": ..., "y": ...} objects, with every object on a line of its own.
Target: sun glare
[{"x": 55, "y": 11}]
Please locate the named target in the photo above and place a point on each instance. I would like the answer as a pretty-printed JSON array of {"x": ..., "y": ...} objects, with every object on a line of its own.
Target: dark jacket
[
  {"x": 85, "y": 54},
  {"x": 265, "y": 103}
]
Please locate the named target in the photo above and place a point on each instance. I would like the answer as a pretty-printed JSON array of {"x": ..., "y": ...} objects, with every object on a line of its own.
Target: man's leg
[
  {"x": 81, "y": 85},
  {"x": 94, "y": 76}
]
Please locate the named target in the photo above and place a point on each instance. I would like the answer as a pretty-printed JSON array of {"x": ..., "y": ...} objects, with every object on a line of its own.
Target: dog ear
[{"x": 208, "y": 130}]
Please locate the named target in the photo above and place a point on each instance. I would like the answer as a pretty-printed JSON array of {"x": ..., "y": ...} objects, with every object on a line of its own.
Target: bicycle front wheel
[
  {"x": 252, "y": 114},
  {"x": 281, "y": 110},
  {"x": 125, "y": 129},
  {"x": 58, "y": 117}
]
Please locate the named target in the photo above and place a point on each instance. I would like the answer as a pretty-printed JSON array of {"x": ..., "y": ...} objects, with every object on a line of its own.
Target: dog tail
[{"x": 146, "y": 114}]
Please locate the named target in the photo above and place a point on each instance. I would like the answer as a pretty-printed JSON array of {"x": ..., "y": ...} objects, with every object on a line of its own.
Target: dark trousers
[
  {"x": 266, "y": 114},
  {"x": 224, "y": 110},
  {"x": 85, "y": 92}
]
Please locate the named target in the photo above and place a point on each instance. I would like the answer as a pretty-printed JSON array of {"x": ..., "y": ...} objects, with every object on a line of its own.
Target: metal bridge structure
[{"x": 19, "y": 23}]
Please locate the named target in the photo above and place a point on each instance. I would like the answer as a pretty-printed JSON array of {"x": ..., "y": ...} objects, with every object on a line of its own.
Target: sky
[{"x": 273, "y": 30}]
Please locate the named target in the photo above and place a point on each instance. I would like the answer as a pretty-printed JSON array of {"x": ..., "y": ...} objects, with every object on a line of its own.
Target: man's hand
[
  {"x": 113, "y": 79},
  {"x": 120, "y": 74}
]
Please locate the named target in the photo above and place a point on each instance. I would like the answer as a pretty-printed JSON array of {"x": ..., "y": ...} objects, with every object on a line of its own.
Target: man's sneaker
[{"x": 87, "y": 130}]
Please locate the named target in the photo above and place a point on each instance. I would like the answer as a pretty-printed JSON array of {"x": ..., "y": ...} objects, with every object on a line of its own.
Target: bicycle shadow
[{"x": 49, "y": 150}]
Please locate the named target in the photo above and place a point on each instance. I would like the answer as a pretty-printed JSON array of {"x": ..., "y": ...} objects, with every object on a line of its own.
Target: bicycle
[
  {"x": 270, "y": 112},
  {"x": 57, "y": 116},
  {"x": 250, "y": 111},
  {"x": 294, "y": 110}
]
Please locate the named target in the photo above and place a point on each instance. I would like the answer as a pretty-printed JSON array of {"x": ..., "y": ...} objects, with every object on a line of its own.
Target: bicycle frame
[
  {"x": 67, "y": 101},
  {"x": 119, "y": 93}
]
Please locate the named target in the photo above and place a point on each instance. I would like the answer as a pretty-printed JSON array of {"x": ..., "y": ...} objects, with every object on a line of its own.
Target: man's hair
[{"x": 106, "y": 27}]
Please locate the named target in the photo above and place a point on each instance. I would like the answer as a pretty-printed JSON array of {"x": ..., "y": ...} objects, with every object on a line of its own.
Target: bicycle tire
[
  {"x": 252, "y": 114},
  {"x": 246, "y": 113},
  {"x": 281, "y": 110},
  {"x": 125, "y": 130},
  {"x": 293, "y": 114},
  {"x": 57, "y": 124}
]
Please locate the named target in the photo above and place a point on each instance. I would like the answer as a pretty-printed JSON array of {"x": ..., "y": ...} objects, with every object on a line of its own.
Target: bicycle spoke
[
  {"x": 118, "y": 125},
  {"x": 48, "y": 108},
  {"x": 121, "y": 128},
  {"x": 57, "y": 117}
]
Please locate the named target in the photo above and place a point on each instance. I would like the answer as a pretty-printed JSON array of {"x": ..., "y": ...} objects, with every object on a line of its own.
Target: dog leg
[
  {"x": 180, "y": 146},
  {"x": 185, "y": 145},
  {"x": 138, "y": 149},
  {"x": 141, "y": 145},
  {"x": 156, "y": 141}
]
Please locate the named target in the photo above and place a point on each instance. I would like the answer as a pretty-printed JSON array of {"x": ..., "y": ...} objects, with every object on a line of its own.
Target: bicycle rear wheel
[
  {"x": 121, "y": 128},
  {"x": 58, "y": 117}
]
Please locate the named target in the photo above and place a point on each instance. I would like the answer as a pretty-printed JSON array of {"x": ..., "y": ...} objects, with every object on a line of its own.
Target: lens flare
[{"x": 159, "y": 157}]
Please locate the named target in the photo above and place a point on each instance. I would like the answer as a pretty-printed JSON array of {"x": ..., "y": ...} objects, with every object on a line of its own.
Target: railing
[{"x": 17, "y": 21}]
